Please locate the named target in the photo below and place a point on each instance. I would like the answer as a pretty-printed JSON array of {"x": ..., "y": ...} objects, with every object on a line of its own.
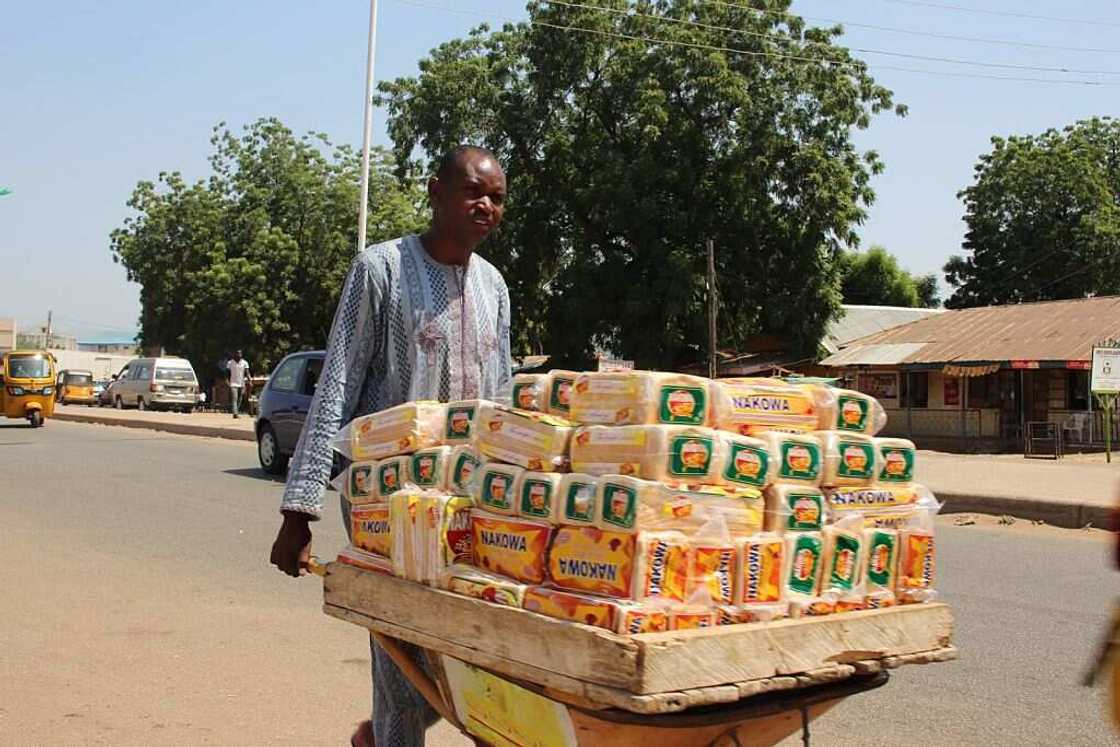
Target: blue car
[{"x": 283, "y": 408}]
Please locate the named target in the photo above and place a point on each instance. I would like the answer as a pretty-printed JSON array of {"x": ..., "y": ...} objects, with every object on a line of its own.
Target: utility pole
[
  {"x": 712, "y": 303},
  {"x": 50, "y": 327},
  {"x": 371, "y": 50}
]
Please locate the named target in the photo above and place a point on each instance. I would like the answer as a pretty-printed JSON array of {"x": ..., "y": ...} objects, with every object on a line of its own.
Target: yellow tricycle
[
  {"x": 27, "y": 385},
  {"x": 75, "y": 387}
]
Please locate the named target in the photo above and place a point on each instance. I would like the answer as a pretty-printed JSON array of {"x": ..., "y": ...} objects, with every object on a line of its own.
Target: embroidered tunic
[{"x": 407, "y": 328}]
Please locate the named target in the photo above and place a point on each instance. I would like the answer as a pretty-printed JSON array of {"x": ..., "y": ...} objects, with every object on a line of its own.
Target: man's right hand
[{"x": 292, "y": 548}]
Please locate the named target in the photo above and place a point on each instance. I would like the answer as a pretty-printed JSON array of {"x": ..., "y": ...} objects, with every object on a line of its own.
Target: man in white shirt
[{"x": 238, "y": 375}]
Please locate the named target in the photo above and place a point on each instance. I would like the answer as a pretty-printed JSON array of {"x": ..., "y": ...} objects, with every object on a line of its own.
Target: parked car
[
  {"x": 283, "y": 407},
  {"x": 156, "y": 383}
]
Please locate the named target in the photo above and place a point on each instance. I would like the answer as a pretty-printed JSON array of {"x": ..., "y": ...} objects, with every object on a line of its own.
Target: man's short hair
[{"x": 451, "y": 161}]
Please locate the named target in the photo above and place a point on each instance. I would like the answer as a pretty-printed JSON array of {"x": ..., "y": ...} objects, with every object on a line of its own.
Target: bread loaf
[
  {"x": 588, "y": 559},
  {"x": 430, "y": 468},
  {"x": 640, "y": 397},
  {"x": 496, "y": 488},
  {"x": 510, "y": 547},
  {"x": 530, "y": 392},
  {"x": 397, "y": 430},
  {"x": 753, "y": 406},
  {"x": 534, "y": 441},
  {"x": 538, "y": 496},
  {"x": 459, "y": 427},
  {"x": 850, "y": 459},
  {"x": 896, "y": 459}
]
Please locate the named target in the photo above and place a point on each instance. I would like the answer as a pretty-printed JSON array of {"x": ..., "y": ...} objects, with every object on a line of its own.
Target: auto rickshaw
[
  {"x": 75, "y": 387},
  {"x": 27, "y": 383}
]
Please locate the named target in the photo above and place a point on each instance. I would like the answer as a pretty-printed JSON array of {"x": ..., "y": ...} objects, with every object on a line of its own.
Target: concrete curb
[
  {"x": 1054, "y": 513},
  {"x": 186, "y": 429}
]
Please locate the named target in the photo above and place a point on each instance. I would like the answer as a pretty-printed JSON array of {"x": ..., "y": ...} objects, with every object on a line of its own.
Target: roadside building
[
  {"x": 974, "y": 379},
  {"x": 9, "y": 331}
]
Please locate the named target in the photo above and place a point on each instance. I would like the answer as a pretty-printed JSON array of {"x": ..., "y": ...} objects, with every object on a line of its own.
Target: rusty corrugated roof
[{"x": 1046, "y": 331}]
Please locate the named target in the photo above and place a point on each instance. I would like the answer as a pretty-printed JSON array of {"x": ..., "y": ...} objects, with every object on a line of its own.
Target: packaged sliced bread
[
  {"x": 535, "y": 441},
  {"x": 538, "y": 496},
  {"x": 429, "y": 468},
  {"x": 466, "y": 463},
  {"x": 751, "y": 406},
  {"x": 511, "y": 547},
  {"x": 640, "y": 397},
  {"x": 390, "y": 475},
  {"x": 496, "y": 488},
  {"x": 560, "y": 385},
  {"x": 591, "y": 560},
  {"x": 360, "y": 487},
  {"x": 798, "y": 458},
  {"x": 459, "y": 428},
  {"x": 398, "y": 430},
  {"x": 665, "y": 453},
  {"x": 857, "y": 412},
  {"x": 897, "y": 457},
  {"x": 468, "y": 581},
  {"x": 370, "y": 529},
  {"x": 600, "y": 612},
  {"x": 799, "y": 508},
  {"x": 530, "y": 392},
  {"x": 758, "y": 570},
  {"x": 850, "y": 459},
  {"x": 579, "y": 499},
  {"x": 662, "y": 566}
]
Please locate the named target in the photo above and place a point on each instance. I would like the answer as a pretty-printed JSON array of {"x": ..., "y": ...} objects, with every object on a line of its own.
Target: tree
[
  {"x": 875, "y": 278},
  {"x": 254, "y": 256},
  {"x": 1043, "y": 218},
  {"x": 624, "y": 155}
]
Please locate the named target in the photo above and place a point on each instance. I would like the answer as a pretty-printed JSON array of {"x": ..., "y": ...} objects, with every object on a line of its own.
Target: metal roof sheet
[
  {"x": 884, "y": 354},
  {"x": 860, "y": 321}
]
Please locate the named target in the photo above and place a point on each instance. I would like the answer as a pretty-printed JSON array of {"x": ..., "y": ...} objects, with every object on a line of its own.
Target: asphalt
[{"x": 141, "y": 609}]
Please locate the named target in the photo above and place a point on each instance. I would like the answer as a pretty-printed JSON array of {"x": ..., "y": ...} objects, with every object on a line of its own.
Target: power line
[
  {"x": 903, "y": 55},
  {"x": 1005, "y": 13},
  {"x": 859, "y": 65}
]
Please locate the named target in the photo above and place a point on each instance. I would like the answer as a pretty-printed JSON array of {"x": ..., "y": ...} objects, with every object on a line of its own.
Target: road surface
[{"x": 140, "y": 609}]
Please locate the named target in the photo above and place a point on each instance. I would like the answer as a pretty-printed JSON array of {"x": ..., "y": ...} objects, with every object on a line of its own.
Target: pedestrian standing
[
  {"x": 238, "y": 377},
  {"x": 420, "y": 317}
]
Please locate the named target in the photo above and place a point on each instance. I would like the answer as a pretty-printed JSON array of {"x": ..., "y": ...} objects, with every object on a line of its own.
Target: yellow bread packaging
[
  {"x": 762, "y": 612},
  {"x": 881, "y": 505},
  {"x": 495, "y": 488},
  {"x": 465, "y": 466},
  {"x": 916, "y": 596},
  {"x": 802, "y": 564},
  {"x": 406, "y": 529},
  {"x": 916, "y": 560},
  {"x": 469, "y": 581},
  {"x": 450, "y": 540},
  {"x": 538, "y": 496},
  {"x": 857, "y": 412},
  {"x": 429, "y": 468},
  {"x": 797, "y": 458},
  {"x": 850, "y": 459},
  {"x": 510, "y": 547},
  {"x": 398, "y": 430},
  {"x": 711, "y": 573},
  {"x": 750, "y": 407},
  {"x": 532, "y": 440},
  {"x": 661, "y": 570},
  {"x": 591, "y": 560},
  {"x": 625, "y": 503},
  {"x": 897, "y": 457},
  {"x": 360, "y": 486},
  {"x": 529, "y": 392},
  {"x": 812, "y": 606},
  {"x": 366, "y": 561},
  {"x": 691, "y": 616},
  {"x": 390, "y": 475},
  {"x": 599, "y": 612},
  {"x": 640, "y": 397},
  {"x": 749, "y": 462},
  {"x": 642, "y": 618},
  {"x": 459, "y": 427},
  {"x": 370, "y": 529},
  {"x": 882, "y": 559},
  {"x": 560, "y": 384},
  {"x": 799, "y": 508},
  {"x": 758, "y": 569},
  {"x": 665, "y": 453},
  {"x": 845, "y": 558},
  {"x": 740, "y": 510},
  {"x": 880, "y": 599},
  {"x": 579, "y": 499}
]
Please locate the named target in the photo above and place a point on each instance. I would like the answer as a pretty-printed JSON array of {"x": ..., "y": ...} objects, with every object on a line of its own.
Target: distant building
[
  {"x": 8, "y": 334},
  {"x": 40, "y": 340},
  {"x": 113, "y": 347}
]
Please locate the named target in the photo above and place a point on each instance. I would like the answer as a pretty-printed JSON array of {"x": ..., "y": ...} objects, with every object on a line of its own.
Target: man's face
[
  {"x": 238, "y": 355},
  {"x": 469, "y": 202}
]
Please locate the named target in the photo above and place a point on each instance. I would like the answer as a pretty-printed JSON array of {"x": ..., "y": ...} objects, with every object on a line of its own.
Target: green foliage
[
  {"x": 1043, "y": 218},
  {"x": 623, "y": 157},
  {"x": 875, "y": 278},
  {"x": 254, "y": 256}
]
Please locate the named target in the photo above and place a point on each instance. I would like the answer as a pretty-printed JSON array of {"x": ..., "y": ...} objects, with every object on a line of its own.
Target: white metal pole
[{"x": 371, "y": 51}]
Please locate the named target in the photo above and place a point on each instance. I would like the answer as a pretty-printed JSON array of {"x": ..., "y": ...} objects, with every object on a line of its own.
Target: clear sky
[{"x": 95, "y": 96}]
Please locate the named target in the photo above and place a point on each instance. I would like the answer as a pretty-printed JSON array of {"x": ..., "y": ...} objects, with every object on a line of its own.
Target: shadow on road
[
  {"x": 6, "y": 426},
  {"x": 254, "y": 472}
]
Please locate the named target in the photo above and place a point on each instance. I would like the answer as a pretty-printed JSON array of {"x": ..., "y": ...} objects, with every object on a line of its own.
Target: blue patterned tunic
[{"x": 407, "y": 328}]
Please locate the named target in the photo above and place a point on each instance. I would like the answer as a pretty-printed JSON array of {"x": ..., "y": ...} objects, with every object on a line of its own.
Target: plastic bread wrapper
[
  {"x": 357, "y": 482},
  {"x": 752, "y": 406},
  {"x": 530, "y": 392},
  {"x": 845, "y": 553},
  {"x": 712, "y": 565},
  {"x": 823, "y": 604},
  {"x": 741, "y": 510},
  {"x": 559, "y": 393},
  {"x": 578, "y": 495},
  {"x": 391, "y": 475},
  {"x": 795, "y": 508},
  {"x": 749, "y": 462},
  {"x": 797, "y": 458},
  {"x": 857, "y": 412},
  {"x": 495, "y": 487},
  {"x": 449, "y": 539},
  {"x": 760, "y": 566},
  {"x": 590, "y": 560},
  {"x": 531, "y": 440},
  {"x": 468, "y": 581},
  {"x": 752, "y": 613},
  {"x": 406, "y": 530},
  {"x": 465, "y": 468},
  {"x": 850, "y": 459},
  {"x": 397, "y": 430},
  {"x": 662, "y": 566},
  {"x": 884, "y": 506},
  {"x": 460, "y": 426},
  {"x": 897, "y": 460},
  {"x": 512, "y": 547},
  {"x": 371, "y": 528},
  {"x": 366, "y": 561},
  {"x": 880, "y": 599},
  {"x": 803, "y": 564},
  {"x": 627, "y": 504},
  {"x": 679, "y": 455},
  {"x": 430, "y": 468},
  {"x": 538, "y": 496},
  {"x": 692, "y": 616},
  {"x": 640, "y": 398},
  {"x": 643, "y": 617},
  {"x": 917, "y": 561},
  {"x": 598, "y": 612}
]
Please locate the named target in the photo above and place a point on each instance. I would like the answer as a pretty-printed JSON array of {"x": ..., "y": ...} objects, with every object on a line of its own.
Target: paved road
[{"x": 144, "y": 611}]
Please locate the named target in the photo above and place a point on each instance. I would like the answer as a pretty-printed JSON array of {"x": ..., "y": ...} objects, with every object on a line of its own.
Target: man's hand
[{"x": 292, "y": 548}]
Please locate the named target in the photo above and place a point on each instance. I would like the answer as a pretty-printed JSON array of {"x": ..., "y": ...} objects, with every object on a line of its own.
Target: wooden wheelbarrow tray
[{"x": 679, "y": 687}]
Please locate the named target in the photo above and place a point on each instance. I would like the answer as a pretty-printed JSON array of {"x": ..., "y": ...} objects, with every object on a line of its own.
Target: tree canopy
[
  {"x": 633, "y": 132},
  {"x": 254, "y": 256},
  {"x": 1043, "y": 218},
  {"x": 875, "y": 278}
]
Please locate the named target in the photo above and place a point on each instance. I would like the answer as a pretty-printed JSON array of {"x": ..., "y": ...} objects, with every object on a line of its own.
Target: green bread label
[
  {"x": 806, "y": 511},
  {"x": 898, "y": 464},
  {"x": 690, "y": 456},
  {"x": 857, "y": 459},
  {"x": 620, "y": 505},
  {"x": 579, "y": 503},
  {"x": 525, "y": 396},
  {"x": 851, "y": 413},
  {"x": 425, "y": 469},
  {"x": 800, "y": 461},
  {"x": 806, "y": 561},
  {"x": 845, "y": 555},
  {"x": 559, "y": 395},
  {"x": 463, "y": 471},
  {"x": 747, "y": 465},
  {"x": 880, "y": 559},
  {"x": 683, "y": 405},
  {"x": 496, "y": 490},
  {"x": 389, "y": 478},
  {"x": 359, "y": 481},
  {"x": 536, "y": 498},
  {"x": 459, "y": 421}
]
